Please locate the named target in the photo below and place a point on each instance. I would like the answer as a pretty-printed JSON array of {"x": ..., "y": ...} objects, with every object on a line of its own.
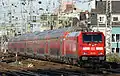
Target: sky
[
  {"x": 50, "y": 4},
  {"x": 79, "y": 3}
]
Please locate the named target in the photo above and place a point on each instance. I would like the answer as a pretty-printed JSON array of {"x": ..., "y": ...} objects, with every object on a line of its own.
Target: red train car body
[{"x": 61, "y": 45}]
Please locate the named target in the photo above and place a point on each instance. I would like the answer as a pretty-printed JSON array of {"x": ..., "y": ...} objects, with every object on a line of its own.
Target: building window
[
  {"x": 31, "y": 25},
  {"x": 34, "y": 18},
  {"x": 43, "y": 17},
  {"x": 117, "y": 50},
  {"x": 60, "y": 21},
  {"x": 113, "y": 50},
  {"x": 115, "y": 18},
  {"x": 117, "y": 37},
  {"x": 101, "y": 19},
  {"x": 113, "y": 37}
]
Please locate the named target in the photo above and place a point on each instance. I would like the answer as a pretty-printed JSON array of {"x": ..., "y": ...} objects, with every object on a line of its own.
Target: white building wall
[
  {"x": 101, "y": 29},
  {"x": 103, "y": 18},
  {"x": 93, "y": 4}
]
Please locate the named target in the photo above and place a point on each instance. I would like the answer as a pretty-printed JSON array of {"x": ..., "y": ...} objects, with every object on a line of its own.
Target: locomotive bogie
[{"x": 100, "y": 58}]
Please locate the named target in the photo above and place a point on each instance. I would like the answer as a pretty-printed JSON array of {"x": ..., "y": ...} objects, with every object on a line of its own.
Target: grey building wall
[{"x": 101, "y": 9}]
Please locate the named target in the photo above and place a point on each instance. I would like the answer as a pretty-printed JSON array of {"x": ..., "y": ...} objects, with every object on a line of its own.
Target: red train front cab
[{"x": 91, "y": 46}]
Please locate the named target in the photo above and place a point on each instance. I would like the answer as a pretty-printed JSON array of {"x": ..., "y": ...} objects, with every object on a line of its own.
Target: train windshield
[{"x": 92, "y": 38}]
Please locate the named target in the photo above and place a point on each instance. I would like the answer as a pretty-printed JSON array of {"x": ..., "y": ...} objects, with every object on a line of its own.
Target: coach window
[
  {"x": 21, "y": 49},
  {"x": 15, "y": 49},
  {"x": 113, "y": 37},
  {"x": 117, "y": 37},
  {"x": 40, "y": 51},
  {"x": 29, "y": 50}
]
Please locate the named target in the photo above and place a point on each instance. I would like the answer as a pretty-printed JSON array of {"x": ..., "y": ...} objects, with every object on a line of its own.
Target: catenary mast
[{"x": 108, "y": 29}]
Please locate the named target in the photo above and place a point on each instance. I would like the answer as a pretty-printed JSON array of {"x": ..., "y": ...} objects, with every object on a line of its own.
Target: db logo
[
  {"x": 92, "y": 48},
  {"x": 93, "y": 53}
]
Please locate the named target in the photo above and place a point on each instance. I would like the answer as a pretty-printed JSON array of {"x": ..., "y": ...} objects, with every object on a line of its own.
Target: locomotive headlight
[
  {"x": 86, "y": 48},
  {"x": 84, "y": 53},
  {"x": 99, "y": 48}
]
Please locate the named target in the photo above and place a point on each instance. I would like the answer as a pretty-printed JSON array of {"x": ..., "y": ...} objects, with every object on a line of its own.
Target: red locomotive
[{"x": 61, "y": 45}]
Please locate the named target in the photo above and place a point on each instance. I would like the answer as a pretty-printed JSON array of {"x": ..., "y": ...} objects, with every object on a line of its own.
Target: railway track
[
  {"x": 45, "y": 68},
  {"x": 50, "y": 72}
]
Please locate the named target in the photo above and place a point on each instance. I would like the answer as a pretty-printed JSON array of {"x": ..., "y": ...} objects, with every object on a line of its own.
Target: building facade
[{"x": 98, "y": 20}]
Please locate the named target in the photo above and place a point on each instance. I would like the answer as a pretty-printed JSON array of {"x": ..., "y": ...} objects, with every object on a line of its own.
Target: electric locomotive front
[{"x": 91, "y": 46}]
